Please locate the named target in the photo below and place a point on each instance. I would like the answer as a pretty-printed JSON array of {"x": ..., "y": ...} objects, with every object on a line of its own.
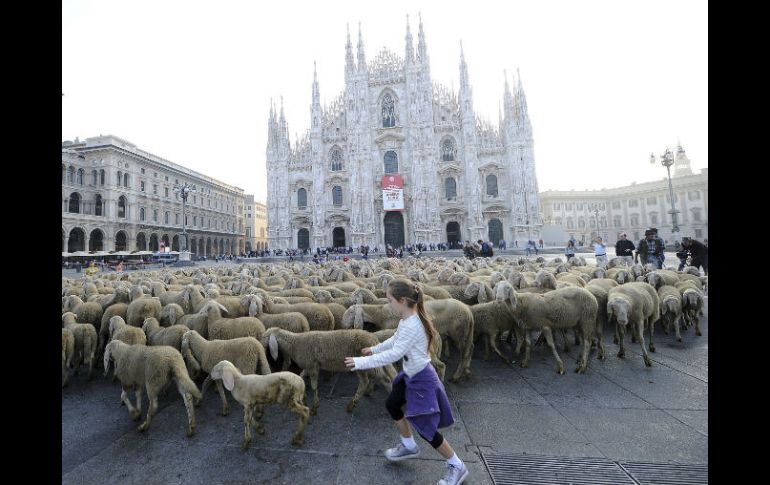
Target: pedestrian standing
[
  {"x": 417, "y": 393},
  {"x": 600, "y": 251},
  {"x": 625, "y": 249},
  {"x": 569, "y": 250}
]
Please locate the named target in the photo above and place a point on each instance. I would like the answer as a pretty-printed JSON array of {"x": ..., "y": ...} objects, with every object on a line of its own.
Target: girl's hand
[
  {"x": 366, "y": 351},
  {"x": 350, "y": 364}
]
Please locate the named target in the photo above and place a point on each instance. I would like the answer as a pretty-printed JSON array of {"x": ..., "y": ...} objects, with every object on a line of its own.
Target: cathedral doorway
[
  {"x": 394, "y": 229},
  {"x": 453, "y": 234},
  {"x": 495, "y": 231},
  {"x": 338, "y": 237},
  {"x": 303, "y": 239}
]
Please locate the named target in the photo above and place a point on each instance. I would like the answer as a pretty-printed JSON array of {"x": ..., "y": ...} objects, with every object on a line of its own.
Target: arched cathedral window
[
  {"x": 448, "y": 150},
  {"x": 450, "y": 188},
  {"x": 302, "y": 198},
  {"x": 492, "y": 185},
  {"x": 391, "y": 162},
  {"x": 388, "y": 112},
  {"x": 337, "y": 196},
  {"x": 336, "y": 159}
]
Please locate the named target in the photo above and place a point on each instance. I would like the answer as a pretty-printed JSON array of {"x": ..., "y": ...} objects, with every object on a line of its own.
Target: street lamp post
[
  {"x": 667, "y": 159},
  {"x": 184, "y": 191},
  {"x": 596, "y": 218}
]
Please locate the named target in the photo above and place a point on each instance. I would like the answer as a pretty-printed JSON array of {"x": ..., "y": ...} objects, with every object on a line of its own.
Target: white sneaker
[
  {"x": 454, "y": 475},
  {"x": 401, "y": 452}
]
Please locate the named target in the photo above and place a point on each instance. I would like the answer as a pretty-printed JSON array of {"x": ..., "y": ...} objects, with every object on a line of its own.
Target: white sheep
[
  {"x": 119, "y": 330},
  {"x": 254, "y": 392},
  {"x": 67, "y": 353},
  {"x": 230, "y": 328},
  {"x": 638, "y": 304},
  {"x": 138, "y": 366},
  {"x": 157, "y": 335},
  {"x": 670, "y": 308},
  {"x": 85, "y": 342}
]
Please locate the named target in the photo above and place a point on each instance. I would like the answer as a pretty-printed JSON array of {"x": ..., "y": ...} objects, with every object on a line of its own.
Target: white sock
[
  {"x": 455, "y": 461},
  {"x": 409, "y": 443}
]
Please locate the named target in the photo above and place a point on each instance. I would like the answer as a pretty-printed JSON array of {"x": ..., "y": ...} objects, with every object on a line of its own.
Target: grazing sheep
[
  {"x": 318, "y": 350},
  {"x": 558, "y": 309},
  {"x": 157, "y": 335},
  {"x": 670, "y": 308},
  {"x": 255, "y": 392},
  {"x": 638, "y": 304},
  {"x": 119, "y": 330},
  {"x": 85, "y": 342},
  {"x": 67, "y": 353},
  {"x": 153, "y": 368},
  {"x": 247, "y": 353}
]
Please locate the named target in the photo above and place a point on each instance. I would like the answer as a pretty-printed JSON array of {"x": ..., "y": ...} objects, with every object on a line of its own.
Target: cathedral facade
[{"x": 456, "y": 176}]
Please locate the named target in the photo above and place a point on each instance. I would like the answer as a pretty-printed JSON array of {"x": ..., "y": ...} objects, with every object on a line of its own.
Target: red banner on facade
[{"x": 392, "y": 181}]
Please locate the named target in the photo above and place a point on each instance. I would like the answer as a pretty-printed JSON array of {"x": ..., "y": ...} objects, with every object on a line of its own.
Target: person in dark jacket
[
  {"x": 650, "y": 249},
  {"x": 699, "y": 253},
  {"x": 625, "y": 249}
]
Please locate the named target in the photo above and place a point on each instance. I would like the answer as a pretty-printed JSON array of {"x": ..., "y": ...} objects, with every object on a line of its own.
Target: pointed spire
[
  {"x": 409, "y": 55},
  {"x": 349, "y": 66},
  {"x": 521, "y": 98},
  {"x": 316, "y": 91},
  {"x": 283, "y": 118},
  {"x": 507, "y": 97},
  {"x": 422, "y": 48},
  {"x": 361, "y": 55},
  {"x": 463, "y": 69}
]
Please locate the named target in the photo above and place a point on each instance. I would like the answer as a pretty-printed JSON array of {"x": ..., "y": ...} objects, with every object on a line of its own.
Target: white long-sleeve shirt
[{"x": 409, "y": 342}]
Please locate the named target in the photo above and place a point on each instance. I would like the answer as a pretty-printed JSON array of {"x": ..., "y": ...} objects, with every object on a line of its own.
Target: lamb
[
  {"x": 67, "y": 353},
  {"x": 141, "y": 308},
  {"x": 169, "y": 314},
  {"x": 292, "y": 321},
  {"x": 662, "y": 277},
  {"x": 318, "y": 316},
  {"x": 670, "y": 308},
  {"x": 88, "y": 312},
  {"x": 230, "y": 328},
  {"x": 318, "y": 350},
  {"x": 116, "y": 310},
  {"x": 480, "y": 291},
  {"x": 247, "y": 353},
  {"x": 157, "y": 335},
  {"x": 620, "y": 274},
  {"x": 119, "y": 330},
  {"x": 254, "y": 392},
  {"x": 85, "y": 342},
  {"x": 435, "y": 351},
  {"x": 558, "y": 309},
  {"x": 638, "y": 304},
  {"x": 138, "y": 366},
  {"x": 692, "y": 307},
  {"x": 208, "y": 313},
  {"x": 490, "y": 319}
]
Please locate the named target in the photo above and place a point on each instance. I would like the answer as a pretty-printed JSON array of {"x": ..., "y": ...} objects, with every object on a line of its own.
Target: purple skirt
[{"x": 427, "y": 405}]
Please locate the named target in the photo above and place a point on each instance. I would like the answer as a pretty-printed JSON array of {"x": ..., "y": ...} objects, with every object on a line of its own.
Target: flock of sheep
[{"x": 155, "y": 327}]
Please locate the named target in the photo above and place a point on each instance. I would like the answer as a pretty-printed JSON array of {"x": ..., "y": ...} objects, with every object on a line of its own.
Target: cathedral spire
[
  {"x": 463, "y": 69},
  {"x": 349, "y": 66},
  {"x": 361, "y": 55},
  {"x": 422, "y": 48},
  {"x": 316, "y": 91},
  {"x": 507, "y": 97},
  {"x": 409, "y": 55},
  {"x": 522, "y": 98}
]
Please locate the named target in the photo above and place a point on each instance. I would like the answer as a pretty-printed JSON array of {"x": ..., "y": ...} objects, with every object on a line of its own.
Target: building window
[
  {"x": 302, "y": 198},
  {"x": 176, "y": 219},
  {"x": 155, "y": 174},
  {"x": 557, "y": 207},
  {"x": 120, "y": 177},
  {"x": 97, "y": 205},
  {"x": 155, "y": 215},
  {"x": 602, "y": 206},
  {"x": 336, "y": 158},
  {"x": 592, "y": 221},
  {"x": 492, "y": 185},
  {"x": 166, "y": 178},
  {"x": 101, "y": 177},
  {"x": 141, "y": 214},
  {"x": 261, "y": 232},
  {"x": 616, "y": 204},
  {"x": 633, "y": 203},
  {"x": 141, "y": 186},
  {"x": 388, "y": 111},
  {"x": 155, "y": 189},
  {"x": 166, "y": 191},
  {"x": 81, "y": 172},
  {"x": 195, "y": 220},
  {"x": 142, "y": 171},
  {"x": 122, "y": 206},
  {"x": 94, "y": 177},
  {"x": 696, "y": 215},
  {"x": 654, "y": 219},
  {"x": 448, "y": 150},
  {"x": 617, "y": 222},
  {"x": 166, "y": 217},
  {"x": 570, "y": 223},
  {"x": 450, "y": 188},
  {"x": 693, "y": 195},
  {"x": 337, "y": 196},
  {"x": 636, "y": 235},
  {"x": 603, "y": 221},
  {"x": 634, "y": 220},
  {"x": 652, "y": 200},
  {"x": 581, "y": 223},
  {"x": 74, "y": 205},
  {"x": 579, "y": 206},
  {"x": 125, "y": 180},
  {"x": 391, "y": 162}
]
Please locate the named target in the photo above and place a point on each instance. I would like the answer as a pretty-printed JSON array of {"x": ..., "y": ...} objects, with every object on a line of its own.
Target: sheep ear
[
  {"x": 228, "y": 379},
  {"x": 272, "y": 344},
  {"x": 107, "y": 352},
  {"x": 223, "y": 309}
]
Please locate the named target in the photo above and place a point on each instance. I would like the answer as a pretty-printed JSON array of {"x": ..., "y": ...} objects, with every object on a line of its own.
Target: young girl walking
[{"x": 417, "y": 386}]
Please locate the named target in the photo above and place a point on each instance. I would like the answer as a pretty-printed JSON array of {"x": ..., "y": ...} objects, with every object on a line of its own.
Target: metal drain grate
[
  {"x": 667, "y": 474},
  {"x": 537, "y": 470}
]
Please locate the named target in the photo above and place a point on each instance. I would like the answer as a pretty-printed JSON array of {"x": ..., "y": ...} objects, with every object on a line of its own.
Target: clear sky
[{"x": 607, "y": 82}]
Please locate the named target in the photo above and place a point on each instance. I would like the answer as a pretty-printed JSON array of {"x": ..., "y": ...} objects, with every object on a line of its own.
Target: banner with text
[{"x": 392, "y": 192}]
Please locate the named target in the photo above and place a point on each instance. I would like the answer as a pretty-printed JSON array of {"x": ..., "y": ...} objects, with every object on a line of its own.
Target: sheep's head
[
  {"x": 358, "y": 317},
  {"x": 543, "y": 279},
  {"x": 270, "y": 341},
  {"x": 323, "y": 296},
  {"x": 599, "y": 273},
  {"x": 495, "y": 277},
  {"x": 109, "y": 349},
  {"x": 618, "y": 307},
  {"x": 224, "y": 371},
  {"x": 115, "y": 323},
  {"x": 473, "y": 289},
  {"x": 68, "y": 318},
  {"x": 504, "y": 292},
  {"x": 621, "y": 276},
  {"x": 362, "y": 295},
  {"x": 150, "y": 323},
  {"x": 654, "y": 279},
  {"x": 671, "y": 305},
  {"x": 586, "y": 277},
  {"x": 459, "y": 279}
]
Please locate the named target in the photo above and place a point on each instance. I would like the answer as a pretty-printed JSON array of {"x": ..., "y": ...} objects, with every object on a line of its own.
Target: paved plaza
[{"x": 618, "y": 411}]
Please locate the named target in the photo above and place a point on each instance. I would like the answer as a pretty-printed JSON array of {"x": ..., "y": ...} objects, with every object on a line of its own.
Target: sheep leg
[
  {"x": 247, "y": 422},
  {"x": 621, "y": 330},
  {"x": 583, "y": 361},
  {"x": 492, "y": 341},
  {"x": 639, "y": 330},
  {"x": 363, "y": 383},
  {"x": 445, "y": 346},
  {"x": 256, "y": 418},
  {"x": 314, "y": 386},
  {"x": 225, "y": 404},
  {"x": 600, "y": 339},
  {"x": 206, "y": 384},
  {"x": 651, "y": 326},
  {"x": 577, "y": 337},
  {"x": 303, "y": 412},
  {"x": 153, "y": 397},
  {"x": 566, "y": 340},
  {"x": 676, "y": 328},
  {"x": 527, "y": 347},
  {"x": 138, "y": 394},
  {"x": 697, "y": 325},
  {"x": 188, "y": 404},
  {"x": 549, "y": 339},
  {"x": 125, "y": 399},
  {"x": 487, "y": 343}
]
